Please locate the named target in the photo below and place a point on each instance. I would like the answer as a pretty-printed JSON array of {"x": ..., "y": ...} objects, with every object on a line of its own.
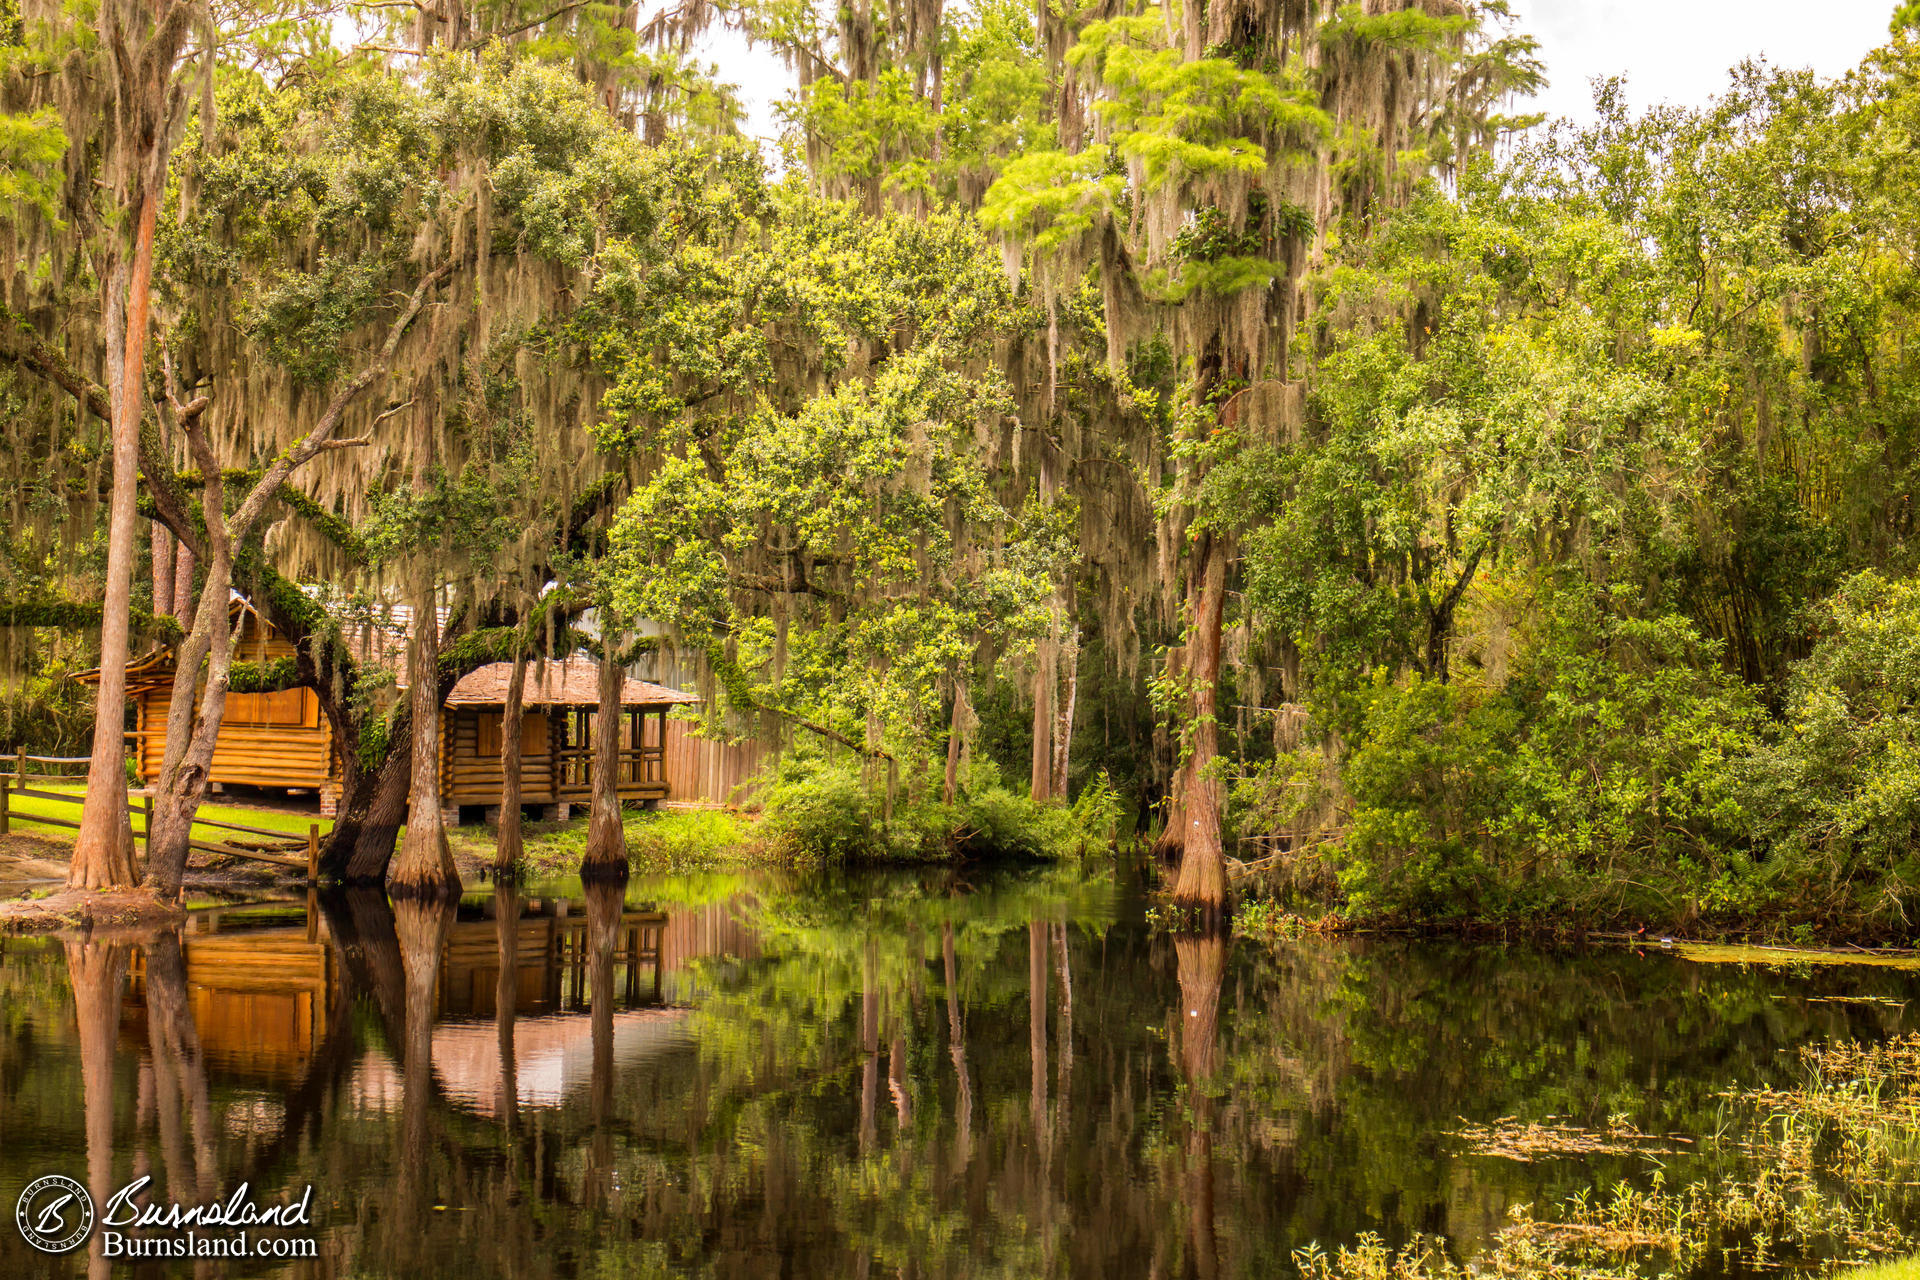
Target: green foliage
[
  {"x": 1598, "y": 778},
  {"x": 823, "y": 812},
  {"x": 1836, "y": 786}
]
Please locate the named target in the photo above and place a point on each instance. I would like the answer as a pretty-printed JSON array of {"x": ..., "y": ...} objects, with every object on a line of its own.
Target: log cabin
[{"x": 283, "y": 740}]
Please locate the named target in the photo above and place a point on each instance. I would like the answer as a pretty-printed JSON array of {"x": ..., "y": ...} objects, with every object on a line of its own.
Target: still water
[{"x": 939, "y": 1075}]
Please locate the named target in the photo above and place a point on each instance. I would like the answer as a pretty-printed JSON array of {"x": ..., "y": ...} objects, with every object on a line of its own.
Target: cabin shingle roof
[{"x": 574, "y": 682}]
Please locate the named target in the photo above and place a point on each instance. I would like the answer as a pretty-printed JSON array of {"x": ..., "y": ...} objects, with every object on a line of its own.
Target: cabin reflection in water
[{"x": 267, "y": 985}]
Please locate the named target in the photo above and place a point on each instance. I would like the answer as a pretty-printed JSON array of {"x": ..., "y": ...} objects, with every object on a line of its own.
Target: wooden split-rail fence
[{"x": 276, "y": 848}]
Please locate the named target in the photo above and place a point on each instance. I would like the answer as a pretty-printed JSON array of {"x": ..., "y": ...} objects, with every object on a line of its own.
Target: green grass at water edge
[
  {"x": 667, "y": 840},
  {"x": 23, "y": 809}
]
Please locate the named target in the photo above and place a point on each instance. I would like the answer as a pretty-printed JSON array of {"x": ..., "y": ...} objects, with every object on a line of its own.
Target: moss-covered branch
[{"x": 77, "y": 615}]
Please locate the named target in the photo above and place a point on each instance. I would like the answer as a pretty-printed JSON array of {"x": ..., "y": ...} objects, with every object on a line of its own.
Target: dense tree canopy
[{"x": 1190, "y": 401}]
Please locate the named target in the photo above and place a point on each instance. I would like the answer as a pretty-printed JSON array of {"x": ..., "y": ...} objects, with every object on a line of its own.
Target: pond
[{"x": 943, "y": 1074}]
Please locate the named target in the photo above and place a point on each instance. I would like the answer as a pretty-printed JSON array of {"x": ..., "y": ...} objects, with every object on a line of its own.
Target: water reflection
[{"x": 866, "y": 1077}]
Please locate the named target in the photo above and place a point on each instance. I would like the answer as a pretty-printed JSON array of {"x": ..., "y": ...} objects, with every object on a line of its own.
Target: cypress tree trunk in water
[
  {"x": 372, "y": 812},
  {"x": 1201, "y": 960},
  {"x": 1203, "y": 869},
  {"x": 180, "y": 1074},
  {"x": 421, "y": 926},
  {"x": 97, "y": 971},
  {"x": 1037, "y": 1030},
  {"x": 604, "y": 902},
  {"x": 606, "y": 856},
  {"x": 425, "y": 864},
  {"x": 506, "y": 997},
  {"x": 956, "y": 727},
  {"x": 957, "y": 1048},
  {"x": 507, "y": 851}
]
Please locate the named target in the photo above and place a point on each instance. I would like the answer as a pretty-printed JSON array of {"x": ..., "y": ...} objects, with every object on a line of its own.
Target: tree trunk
[
  {"x": 103, "y": 846},
  {"x": 956, "y": 741},
  {"x": 1203, "y": 870},
  {"x": 1037, "y": 1029},
  {"x": 1063, "y": 722},
  {"x": 957, "y": 1048},
  {"x": 604, "y": 903},
  {"x": 424, "y": 866},
  {"x": 376, "y": 809},
  {"x": 160, "y": 539},
  {"x": 421, "y": 926},
  {"x": 173, "y": 1041},
  {"x": 97, "y": 972},
  {"x": 506, "y": 996},
  {"x": 1043, "y": 713},
  {"x": 1201, "y": 961},
  {"x": 606, "y": 857},
  {"x": 186, "y": 765},
  {"x": 510, "y": 846},
  {"x": 182, "y": 576}
]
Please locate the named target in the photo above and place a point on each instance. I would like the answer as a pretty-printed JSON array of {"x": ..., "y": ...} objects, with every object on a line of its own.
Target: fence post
[
  {"x": 146, "y": 816},
  {"x": 313, "y": 853},
  {"x": 5, "y": 788},
  {"x": 20, "y": 768}
]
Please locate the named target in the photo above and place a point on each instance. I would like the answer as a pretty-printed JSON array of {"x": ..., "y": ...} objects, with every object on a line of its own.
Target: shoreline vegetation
[{"x": 1815, "y": 1177}]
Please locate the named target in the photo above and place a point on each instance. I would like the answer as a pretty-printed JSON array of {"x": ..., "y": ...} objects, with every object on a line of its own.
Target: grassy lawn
[{"x": 23, "y": 809}]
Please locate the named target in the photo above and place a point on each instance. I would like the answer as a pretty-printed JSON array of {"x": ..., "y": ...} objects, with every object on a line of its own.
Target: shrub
[
  {"x": 1835, "y": 788},
  {"x": 1600, "y": 777},
  {"x": 820, "y": 811}
]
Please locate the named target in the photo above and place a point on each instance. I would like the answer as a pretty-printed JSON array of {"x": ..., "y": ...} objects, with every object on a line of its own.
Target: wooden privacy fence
[
  {"x": 277, "y": 848},
  {"x": 705, "y": 773}
]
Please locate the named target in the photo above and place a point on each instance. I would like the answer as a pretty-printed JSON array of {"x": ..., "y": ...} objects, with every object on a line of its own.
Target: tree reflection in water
[{"x": 886, "y": 1077}]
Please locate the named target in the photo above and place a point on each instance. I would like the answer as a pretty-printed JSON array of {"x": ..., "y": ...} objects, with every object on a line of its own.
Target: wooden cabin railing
[{"x": 573, "y": 767}]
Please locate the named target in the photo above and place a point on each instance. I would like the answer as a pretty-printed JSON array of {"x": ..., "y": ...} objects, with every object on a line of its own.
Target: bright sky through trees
[
  {"x": 1670, "y": 50},
  {"x": 1679, "y": 50}
]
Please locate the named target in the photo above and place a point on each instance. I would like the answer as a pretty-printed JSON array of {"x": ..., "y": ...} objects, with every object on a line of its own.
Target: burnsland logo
[{"x": 56, "y": 1215}]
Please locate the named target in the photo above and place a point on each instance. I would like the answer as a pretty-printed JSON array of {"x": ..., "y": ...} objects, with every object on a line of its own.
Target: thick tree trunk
[
  {"x": 376, "y": 808},
  {"x": 186, "y": 765},
  {"x": 606, "y": 856},
  {"x": 424, "y": 866},
  {"x": 510, "y": 846},
  {"x": 1202, "y": 884},
  {"x": 103, "y": 846}
]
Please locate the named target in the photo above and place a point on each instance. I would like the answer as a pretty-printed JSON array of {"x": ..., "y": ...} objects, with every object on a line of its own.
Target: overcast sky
[
  {"x": 1680, "y": 50},
  {"x": 1669, "y": 50}
]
